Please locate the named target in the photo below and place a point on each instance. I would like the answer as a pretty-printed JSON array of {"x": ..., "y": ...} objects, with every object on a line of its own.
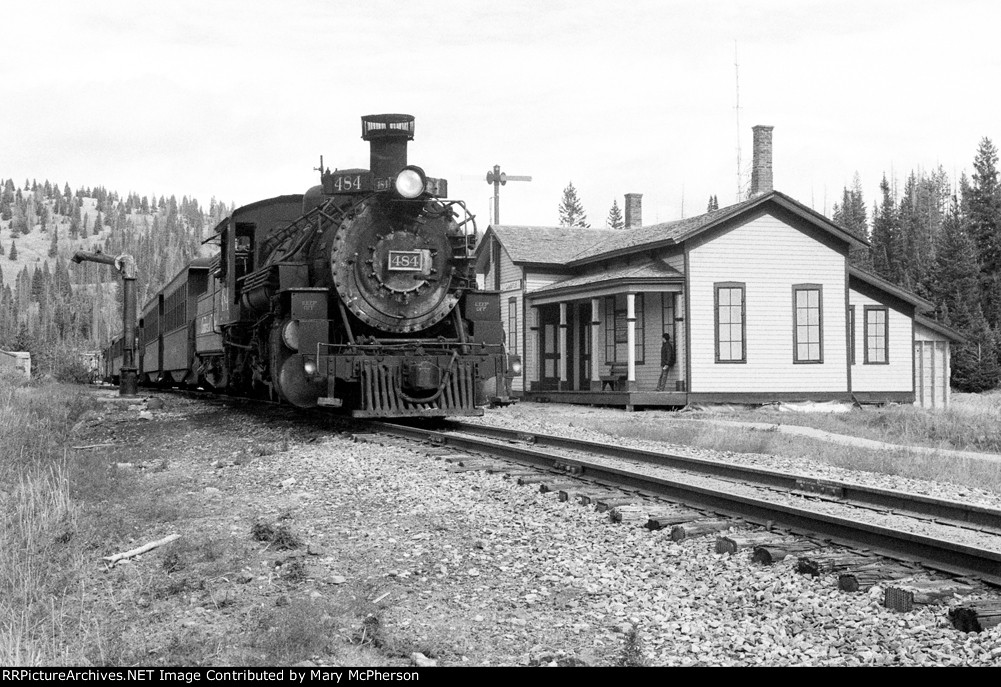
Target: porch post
[
  {"x": 631, "y": 341},
  {"x": 564, "y": 382},
  {"x": 595, "y": 347}
]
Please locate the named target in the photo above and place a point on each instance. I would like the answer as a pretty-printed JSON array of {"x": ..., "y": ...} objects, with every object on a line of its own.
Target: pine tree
[
  {"x": 13, "y": 251},
  {"x": 885, "y": 251},
  {"x": 615, "y": 220},
  {"x": 955, "y": 289},
  {"x": 851, "y": 216},
  {"x": 571, "y": 209},
  {"x": 54, "y": 244},
  {"x": 713, "y": 204},
  {"x": 984, "y": 210}
]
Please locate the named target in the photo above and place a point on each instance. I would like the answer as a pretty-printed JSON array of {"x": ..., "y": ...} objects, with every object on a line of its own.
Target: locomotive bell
[{"x": 387, "y": 135}]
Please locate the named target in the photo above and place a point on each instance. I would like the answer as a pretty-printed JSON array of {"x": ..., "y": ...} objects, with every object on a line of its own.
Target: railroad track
[
  {"x": 867, "y": 535},
  {"x": 935, "y": 548}
]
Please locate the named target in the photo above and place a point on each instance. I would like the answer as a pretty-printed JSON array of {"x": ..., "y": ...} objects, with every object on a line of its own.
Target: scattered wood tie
[
  {"x": 767, "y": 554},
  {"x": 540, "y": 478},
  {"x": 585, "y": 493},
  {"x": 732, "y": 543},
  {"x": 976, "y": 616},
  {"x": 112, "y": 560},
  {"x": 662, "y": 518},
  {"x": 630, "y": 515},
  {"x": 903, "y": 595},
  {"x": 864, "y": 577},
  {"x": 557, "y": 486},
  {"x": 697, "y": 528},
  {"x": 611, "y": 502},
  {"x": 822, "y": 563}
]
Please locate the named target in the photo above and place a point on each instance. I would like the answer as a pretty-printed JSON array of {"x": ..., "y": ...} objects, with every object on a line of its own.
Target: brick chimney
[
  {"x": 761, "y": 170},
  {"x": 634, "y": 210}
]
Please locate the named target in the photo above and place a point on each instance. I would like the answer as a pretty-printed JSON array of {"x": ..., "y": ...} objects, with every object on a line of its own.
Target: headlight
[
  {"x": 515, "y": 366},
  {"x": 309, "y": 366},
  {"x": 290, "y": 334},
  {"x": 410, "y": 182}
]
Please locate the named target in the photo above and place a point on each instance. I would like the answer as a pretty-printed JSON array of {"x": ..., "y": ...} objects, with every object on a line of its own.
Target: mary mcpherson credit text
[{"x": 292, "y": 675}]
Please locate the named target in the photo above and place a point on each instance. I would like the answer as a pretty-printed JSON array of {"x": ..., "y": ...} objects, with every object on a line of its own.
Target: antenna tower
[{"x": 736, "y": 68}]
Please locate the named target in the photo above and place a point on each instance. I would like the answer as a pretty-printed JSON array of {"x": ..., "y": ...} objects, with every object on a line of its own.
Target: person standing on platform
[{"x": 667, "y": 360}]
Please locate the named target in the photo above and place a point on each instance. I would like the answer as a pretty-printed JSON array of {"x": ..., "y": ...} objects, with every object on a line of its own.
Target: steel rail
[
  {"x": 902, "y": 503},
  {"x": 947, "y": 556}
]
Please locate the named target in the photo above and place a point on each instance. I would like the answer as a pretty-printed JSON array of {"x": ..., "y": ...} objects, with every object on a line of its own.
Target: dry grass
[
  {"x": 971, "y": 423},
  {"x": 901, "y": 424}
]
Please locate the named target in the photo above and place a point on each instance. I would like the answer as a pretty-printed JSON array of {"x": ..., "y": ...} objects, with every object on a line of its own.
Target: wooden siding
[
  {"x": 769, "y": 257},
  {"x": 898, "y": 373}
]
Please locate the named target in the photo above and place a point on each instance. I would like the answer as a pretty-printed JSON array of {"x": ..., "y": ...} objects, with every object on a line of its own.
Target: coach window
[
  {"x": 730, "y": 318},
  {"x": 807, "y": 329},
  {"x": 876, "y": 336}
]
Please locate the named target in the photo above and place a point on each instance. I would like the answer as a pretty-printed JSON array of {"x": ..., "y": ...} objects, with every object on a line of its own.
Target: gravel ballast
[{"x": 469, "y": 568}]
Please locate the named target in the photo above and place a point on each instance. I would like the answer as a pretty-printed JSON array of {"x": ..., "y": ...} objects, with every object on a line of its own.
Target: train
[{"x": 359, "y": 295}]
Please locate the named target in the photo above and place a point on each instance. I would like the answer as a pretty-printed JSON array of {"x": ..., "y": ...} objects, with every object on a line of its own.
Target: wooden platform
[{"x": 621, "y": 399}]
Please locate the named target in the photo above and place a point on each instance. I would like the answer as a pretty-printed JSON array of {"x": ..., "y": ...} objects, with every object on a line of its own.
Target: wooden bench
[{"x": 617, "y": 374}]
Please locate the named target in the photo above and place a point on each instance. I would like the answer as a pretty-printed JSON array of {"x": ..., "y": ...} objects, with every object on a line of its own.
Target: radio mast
[{"x": 736, "y": 69}]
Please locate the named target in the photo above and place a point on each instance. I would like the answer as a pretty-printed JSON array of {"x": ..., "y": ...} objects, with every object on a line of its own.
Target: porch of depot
[{"x": 630, "y": 400}]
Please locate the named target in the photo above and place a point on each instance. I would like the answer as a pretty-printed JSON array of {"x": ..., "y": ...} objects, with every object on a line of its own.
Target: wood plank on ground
[
  {"x": 821, "y": 563},
  {"x": 557, "y": 485},
  {"x": 863, "y": 578},
  {"x": 768, "y": 554},
  {"x": 697, "y": 528},
  {"x": 732, "y": 543},
  {"x": 976, "y": 616},
  {"x": 668, "y": 516},
  {"x": 609, "y": 503},
  {"x": 902, "y": 596}
]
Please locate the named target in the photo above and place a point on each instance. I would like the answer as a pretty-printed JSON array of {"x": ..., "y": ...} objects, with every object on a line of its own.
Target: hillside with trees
[{"x": 55, "y": 308}]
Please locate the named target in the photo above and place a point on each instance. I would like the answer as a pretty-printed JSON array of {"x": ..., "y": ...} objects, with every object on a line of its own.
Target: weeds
[
  {"x": 281, "y": 536},
  {"x": 631, "y": 655},
  {"x": 294, "y": 570}
]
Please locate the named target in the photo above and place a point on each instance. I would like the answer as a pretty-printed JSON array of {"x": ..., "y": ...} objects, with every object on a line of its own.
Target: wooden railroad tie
[
  {"x": 557, "y": 485},
  {"x": 641, "y": 514},
  {"x": 585, "y": 493},
  {"x": 902, "y": 596},
  {"x": 732, "y": 543},
  {"x": 821, "y": 563},
  {"x": 864, "y": 577},
  {"x": 662, "y": 518},
  {"x": 976, "y": 616},
  {"x": 537, "y": 478},
  {"x": 611, "y": 502},
  {"x": 697, "y": 528},
  {"x": 767, "y": 554}
]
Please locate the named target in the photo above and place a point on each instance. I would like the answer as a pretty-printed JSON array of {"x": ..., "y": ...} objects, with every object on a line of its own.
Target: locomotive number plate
[{"x": 405, "y": 261}]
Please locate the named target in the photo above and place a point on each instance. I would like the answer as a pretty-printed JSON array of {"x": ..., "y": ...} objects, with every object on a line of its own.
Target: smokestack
[
  {"x": 634, "y": 210},
  {"x": 761, "y": 171},
  {"x": 387, "y": 135}
]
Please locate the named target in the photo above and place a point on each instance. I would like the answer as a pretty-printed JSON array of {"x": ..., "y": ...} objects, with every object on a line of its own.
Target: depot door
[{"x": 549, "y": 347}]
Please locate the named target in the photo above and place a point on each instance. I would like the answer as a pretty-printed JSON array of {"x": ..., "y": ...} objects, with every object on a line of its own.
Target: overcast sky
[{"x": 238, "y": 100}]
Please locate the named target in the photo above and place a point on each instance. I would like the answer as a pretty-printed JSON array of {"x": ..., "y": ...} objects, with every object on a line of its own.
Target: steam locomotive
[{"x": 358, "y": 295}]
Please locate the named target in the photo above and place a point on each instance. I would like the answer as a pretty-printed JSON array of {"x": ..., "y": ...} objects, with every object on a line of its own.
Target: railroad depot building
[{"x": 759, "y": 300}]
